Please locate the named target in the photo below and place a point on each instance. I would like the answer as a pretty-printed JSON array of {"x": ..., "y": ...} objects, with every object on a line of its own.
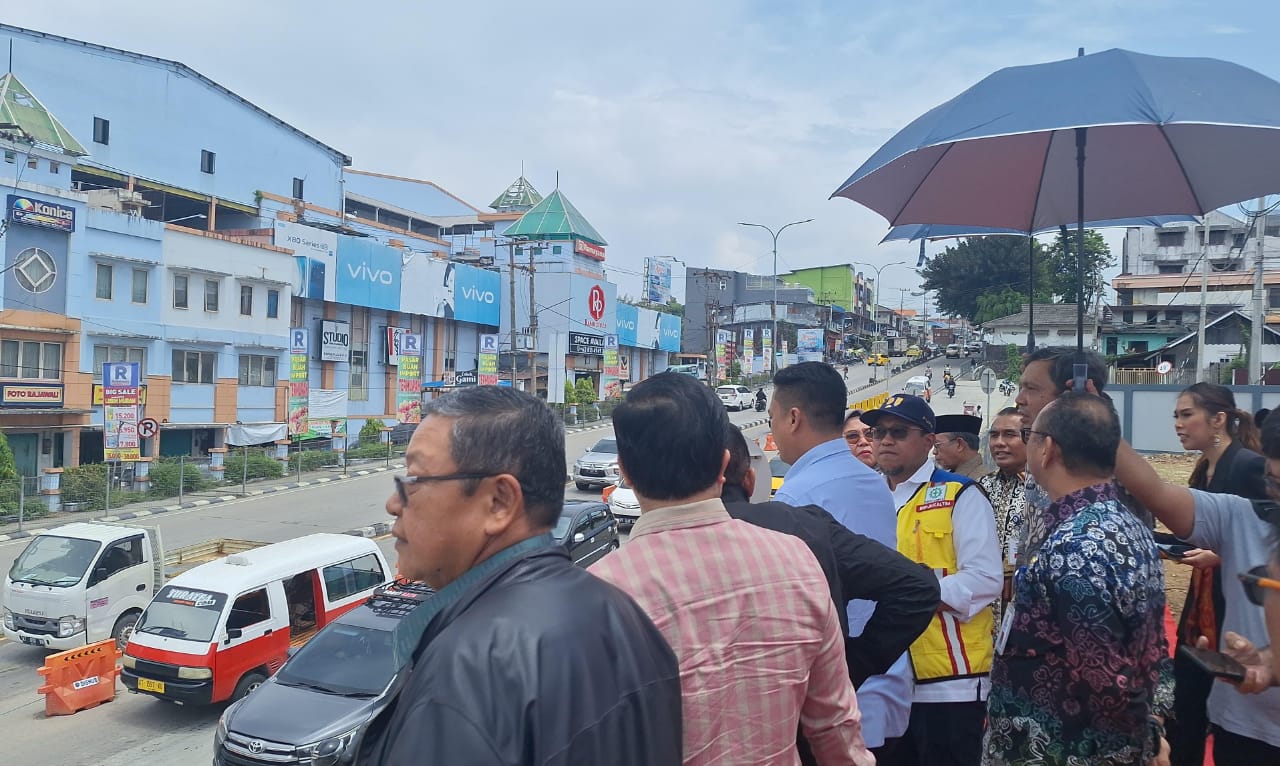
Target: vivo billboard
[
  {"x": 669, "y": 332},
  {"x": 627, "y": 317},
  {"x": 476, "y": 294},
  {"x": 368, "y": 274}
]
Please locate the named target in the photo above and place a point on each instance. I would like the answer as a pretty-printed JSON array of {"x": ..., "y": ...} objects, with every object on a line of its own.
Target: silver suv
[{"x": 598, "y": 467}]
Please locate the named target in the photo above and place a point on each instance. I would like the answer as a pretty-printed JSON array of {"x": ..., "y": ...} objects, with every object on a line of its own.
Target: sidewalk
[{"x": 213, "y": 496}]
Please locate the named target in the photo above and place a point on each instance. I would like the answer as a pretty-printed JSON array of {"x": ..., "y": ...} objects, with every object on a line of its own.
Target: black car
[
  {"x": 588, "y": 530},
  {"x": 316, "y": 708}
]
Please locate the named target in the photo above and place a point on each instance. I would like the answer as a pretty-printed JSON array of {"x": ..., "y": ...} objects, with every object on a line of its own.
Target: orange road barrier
[
  {"x": 870, "y": 403},
  {"x": 79, "y": 679},
  {"x": 608, "y": 490},
  {"x": 769, "y": 444}
]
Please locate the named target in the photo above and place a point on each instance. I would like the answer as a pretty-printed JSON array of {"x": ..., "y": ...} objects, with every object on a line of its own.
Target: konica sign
[
  {"x": 36, "y": 212},
  {"x": 476, "y": 295},
  {"x": 368, "y": 274}
]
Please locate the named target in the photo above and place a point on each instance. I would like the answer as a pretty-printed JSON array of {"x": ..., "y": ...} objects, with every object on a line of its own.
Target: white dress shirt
[{"x": 975, "y": 584}]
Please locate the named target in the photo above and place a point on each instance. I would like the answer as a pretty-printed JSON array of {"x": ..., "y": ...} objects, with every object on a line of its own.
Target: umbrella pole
[
  {"x": 1031, "y": 294},
  {"x": 1081, "y": 366}
]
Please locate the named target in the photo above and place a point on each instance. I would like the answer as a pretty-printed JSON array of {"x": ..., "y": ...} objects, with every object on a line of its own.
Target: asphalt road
[{"x": 135, "y": 729}]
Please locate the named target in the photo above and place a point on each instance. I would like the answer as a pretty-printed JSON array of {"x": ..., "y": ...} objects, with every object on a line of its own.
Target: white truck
[{"x": 87, "y": 581}]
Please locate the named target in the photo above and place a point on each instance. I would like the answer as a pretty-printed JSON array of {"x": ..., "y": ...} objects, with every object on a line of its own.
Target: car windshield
[
  {"x": 185, "y": 613},
  {"x": 606, "y": 446},
  {"x": 778, "y": 468},
  {"x": 350, "y": 660},
  {"x": 54, "y": 560},
  {"x": 727, "y": 390},
  {"x": 562, "y": 525}
]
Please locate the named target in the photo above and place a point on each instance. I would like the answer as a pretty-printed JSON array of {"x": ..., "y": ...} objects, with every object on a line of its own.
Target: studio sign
[
  {"x": 335, "y": 341},
  {"x": 586, "y": 344}
]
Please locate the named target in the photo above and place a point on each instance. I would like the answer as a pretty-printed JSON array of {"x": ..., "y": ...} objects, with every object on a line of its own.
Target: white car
[
  {"x": 623, "y": 503},
  {"x": 919, "y": 386},
  {"x": 736, "y": 397}
]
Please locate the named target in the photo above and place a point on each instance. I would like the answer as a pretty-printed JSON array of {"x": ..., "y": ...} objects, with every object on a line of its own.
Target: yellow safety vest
[{"x": 948, "y": 648}]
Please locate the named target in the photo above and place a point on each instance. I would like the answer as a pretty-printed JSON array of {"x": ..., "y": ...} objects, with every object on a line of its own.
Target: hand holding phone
[
  {"x": 1175, "y": 551},
  {"x": 1214, "y": 663}
]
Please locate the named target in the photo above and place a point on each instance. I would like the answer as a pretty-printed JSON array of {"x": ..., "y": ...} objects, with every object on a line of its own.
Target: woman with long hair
[{"x": 1207, "y": 420}]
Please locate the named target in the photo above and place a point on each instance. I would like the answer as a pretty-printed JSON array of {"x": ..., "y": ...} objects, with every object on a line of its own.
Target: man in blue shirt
[{"x": 806, "y": 416}]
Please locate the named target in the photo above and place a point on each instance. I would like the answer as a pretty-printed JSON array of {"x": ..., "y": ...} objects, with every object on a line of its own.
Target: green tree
[
  {"x": 8, "y": 466},
  {"x": 999, "y": 303},
  {"x": 1061, "y": 261},
  {"x": 371, "y": 431},
  {"x": 1013, "y": 362},
  {"x": 980, "y": 265},
  {"x": 586, "y": 391},
  {"x": 570, "y": 393}
]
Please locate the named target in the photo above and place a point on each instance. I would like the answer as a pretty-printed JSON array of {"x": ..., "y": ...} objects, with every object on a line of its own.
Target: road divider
[{"x": 79, "y": 679}]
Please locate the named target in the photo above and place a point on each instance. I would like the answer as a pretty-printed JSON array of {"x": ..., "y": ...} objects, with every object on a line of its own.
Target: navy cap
[
  {"x": 960, "y": 424},
  {"x": 910, "y": 408}
]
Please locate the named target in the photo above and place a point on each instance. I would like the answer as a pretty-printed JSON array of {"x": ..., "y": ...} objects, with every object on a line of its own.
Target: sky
[{"x": 667, "y": 122}]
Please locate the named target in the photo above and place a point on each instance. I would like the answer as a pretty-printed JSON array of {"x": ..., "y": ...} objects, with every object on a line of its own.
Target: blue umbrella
[{"x": 1164, "y": 136}]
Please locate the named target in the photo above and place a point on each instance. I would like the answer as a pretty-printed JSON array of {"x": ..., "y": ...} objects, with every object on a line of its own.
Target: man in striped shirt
[{"x": 745, "y": 609}]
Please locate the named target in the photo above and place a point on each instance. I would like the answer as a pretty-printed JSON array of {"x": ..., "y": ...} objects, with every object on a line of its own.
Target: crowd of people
[{"x": 898, "y": 602}]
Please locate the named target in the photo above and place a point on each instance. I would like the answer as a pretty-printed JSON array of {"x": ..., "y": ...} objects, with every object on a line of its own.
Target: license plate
[
  {"x": 32, "y": 641},
  {"x": 147, "y": 685}
]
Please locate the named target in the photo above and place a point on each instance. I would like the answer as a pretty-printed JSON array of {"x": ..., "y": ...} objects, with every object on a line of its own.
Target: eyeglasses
[
  {"x": 897, "y": 432},
  {"x": 857, "y": 435},
  {"x": 1026, "y": 434},
  {"x": 401, "y": 481},
  {"x": 1256, "y": 583}
]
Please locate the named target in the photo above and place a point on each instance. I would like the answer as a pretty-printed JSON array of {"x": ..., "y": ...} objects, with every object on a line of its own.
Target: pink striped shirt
[{"x": 750, "y": 618}]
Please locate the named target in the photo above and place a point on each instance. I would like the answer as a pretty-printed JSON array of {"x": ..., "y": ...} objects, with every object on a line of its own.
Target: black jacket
[
  {"x": 539, "y": 663},
  {"x": 856, "y": 567}
]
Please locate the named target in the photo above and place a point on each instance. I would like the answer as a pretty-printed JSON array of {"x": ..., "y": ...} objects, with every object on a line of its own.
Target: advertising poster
[
  {"x": 315, "y": 255},
  {"x": 668, "y": 333},
  {"x": 120, "y": 413},
  {"x": 487, "y": 361},
  {"x": 368, "y": 273},
  {"x": 475, "y": 295},
  {"x": 409, "y": 384},
  {"x": 766, "y": 346},
  {"x": 612, "y": 386},
  {"x": 748, "y": 351},
  {"x": 722, "y": 351},
  {"x": 298, "y": 409},
  {"x": 625, "y": 319},
  {"x": 809, "y": 345},
  {"x": 659, "y": 287}
]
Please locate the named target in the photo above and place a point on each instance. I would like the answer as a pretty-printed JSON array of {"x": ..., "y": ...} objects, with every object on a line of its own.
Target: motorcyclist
[{"x": 760, "y": 399}]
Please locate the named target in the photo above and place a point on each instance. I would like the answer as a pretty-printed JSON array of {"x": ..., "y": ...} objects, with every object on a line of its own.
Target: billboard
[
  {"x": 475, "y": 295},
  {"x": 625, "y": 318},
  {"x": 487, "y": 360},
  {"x": 37, "y": 212},
  {"x": 426, "y": 286},
  {"x": 669, "y": 332},
  {"x": 658, "y": 289},
  {"x": 335, "y": 340},
  {"x": 315, "y": 256},
  {"x": 809, "y": 345},
  {"x": 368, "y": 274},
  {"x": 298, "y": 411}
]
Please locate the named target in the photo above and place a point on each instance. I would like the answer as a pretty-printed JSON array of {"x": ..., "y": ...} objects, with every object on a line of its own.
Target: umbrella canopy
[
  {"x": 915, "y": 231},
  {"x": 1165, "y": 135}
]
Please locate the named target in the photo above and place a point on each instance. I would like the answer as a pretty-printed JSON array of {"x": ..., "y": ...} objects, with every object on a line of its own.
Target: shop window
[
  {"x": 140, "y": 279},
  {"x": 358, "y": 377},
  {"x": 246, "y": 300},
  {"x": 101, "y": 131},
  {"x": 1170, "y": 238},
  {"x": 207, "y": 159},
  {"x": 180, "y": 291},
  {"x": 211, "y": 295},
  {"x": 256, "y": 370},
  {"x": 105, "y": 353},
  {"x": 103, "y": 289},
  {"x": 273, "y": 304},
  {"x": 297, "y": 188},
  {"x": 30, "y": 360},
  {"x": 194, "y": 366}
]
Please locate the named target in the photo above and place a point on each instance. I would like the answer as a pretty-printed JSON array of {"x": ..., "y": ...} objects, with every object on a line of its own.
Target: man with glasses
[
  {"x": 525, "y": 658},
  {"x": 1086, "y": 612},
  {"x": 1004, "y": 487},
  {"x": 956, "y": 449},
  {"x": 946, "y": 523},
  {"x": 1239, "y": 530},
  {"x": 806, "y": 416}
]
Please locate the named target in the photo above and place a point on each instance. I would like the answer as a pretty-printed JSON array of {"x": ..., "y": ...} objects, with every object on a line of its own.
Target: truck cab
[{"x": 80, "y": 583}]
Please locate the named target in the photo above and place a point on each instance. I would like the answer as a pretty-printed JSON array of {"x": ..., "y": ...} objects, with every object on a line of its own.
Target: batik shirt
[
  {"x": 1009, "y": 501},
  {"x": 1081, "y": 667}
]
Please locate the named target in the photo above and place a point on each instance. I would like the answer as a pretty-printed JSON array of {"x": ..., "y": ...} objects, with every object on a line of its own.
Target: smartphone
[
  {"x": 1176, "y": 551},
  {"x": 315, "y": 282},
  {"x": 1214, "y": 663}
]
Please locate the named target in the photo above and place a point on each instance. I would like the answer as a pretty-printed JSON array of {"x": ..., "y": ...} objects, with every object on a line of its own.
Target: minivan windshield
[
  {"x": 606, "y": 446},
  {"x": 54, "y": 560},
  {"x": 185, "y": 613},
  {"x": 350, "y": 660}
]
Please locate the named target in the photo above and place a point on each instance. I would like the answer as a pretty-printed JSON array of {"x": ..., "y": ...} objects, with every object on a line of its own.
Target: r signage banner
[
  {"x": 299, "y": 411},
  {"x": 409, "y": 388},
  {"x": 487, "y": 361}
]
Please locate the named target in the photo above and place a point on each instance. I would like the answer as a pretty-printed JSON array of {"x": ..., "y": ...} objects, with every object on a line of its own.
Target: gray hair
[
  {"x": 968, "y": 438},
  {"x": 501, "y": 430}
]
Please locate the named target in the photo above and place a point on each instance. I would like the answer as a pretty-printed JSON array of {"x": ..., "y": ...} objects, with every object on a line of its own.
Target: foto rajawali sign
[
  {"x": 36, "y": 212},
  {"x": 31, "y": 395}
]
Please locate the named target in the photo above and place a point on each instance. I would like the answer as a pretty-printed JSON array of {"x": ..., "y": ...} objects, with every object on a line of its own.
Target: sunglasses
[
  {"x": 1256, "y": 583},
  {"x": 1026, "y": 434},
  {"x": 897, "y": 432},
  {"x": 401, "y": 481},
  {"x": 857, "y": 435}
]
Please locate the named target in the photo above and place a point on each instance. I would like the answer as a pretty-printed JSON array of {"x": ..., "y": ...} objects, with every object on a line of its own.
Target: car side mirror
[
  {"x": 234, "y": 633},
  {"x": 579, "y": 537}
]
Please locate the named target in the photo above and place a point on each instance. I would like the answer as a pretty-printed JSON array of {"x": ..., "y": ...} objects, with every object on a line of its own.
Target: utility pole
[
  {"x": 533, "y": 331},
  {"x": 1259, "y": 297},
  {"x": 1202, "y": 360},
  {"x": 511, "y": 263}
]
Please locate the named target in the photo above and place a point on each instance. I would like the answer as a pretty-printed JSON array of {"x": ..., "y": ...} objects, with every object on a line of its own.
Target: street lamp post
[
  {"x": 773, "y": 309},
  {"x": 875, "y": 304}
]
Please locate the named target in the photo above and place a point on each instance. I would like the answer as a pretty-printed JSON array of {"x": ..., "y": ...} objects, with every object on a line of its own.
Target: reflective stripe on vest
[{"x": 948, "y": 648}]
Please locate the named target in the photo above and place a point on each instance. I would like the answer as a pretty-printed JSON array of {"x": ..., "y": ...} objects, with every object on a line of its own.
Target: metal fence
[{"x": 21, "y": 501}]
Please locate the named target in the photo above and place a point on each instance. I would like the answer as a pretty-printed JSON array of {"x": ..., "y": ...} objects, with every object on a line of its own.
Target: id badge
[{"x": 1006, "y": 625}]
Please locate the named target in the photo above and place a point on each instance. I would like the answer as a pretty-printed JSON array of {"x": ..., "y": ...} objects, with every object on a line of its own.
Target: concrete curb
[
  {"x": 142, "y": 513},
  {"x": 593, "y": 427}
]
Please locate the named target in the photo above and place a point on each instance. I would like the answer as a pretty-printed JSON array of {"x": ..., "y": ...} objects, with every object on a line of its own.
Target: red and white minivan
[{"x": 217, "y": 631}]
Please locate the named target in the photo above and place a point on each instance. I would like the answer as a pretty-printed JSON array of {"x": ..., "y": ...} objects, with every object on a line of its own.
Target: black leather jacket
[{"x": 539, "y": 663}]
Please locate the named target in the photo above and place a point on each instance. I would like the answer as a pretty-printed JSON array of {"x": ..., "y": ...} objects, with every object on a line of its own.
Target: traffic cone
[{"x": 769, "y": 445}]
